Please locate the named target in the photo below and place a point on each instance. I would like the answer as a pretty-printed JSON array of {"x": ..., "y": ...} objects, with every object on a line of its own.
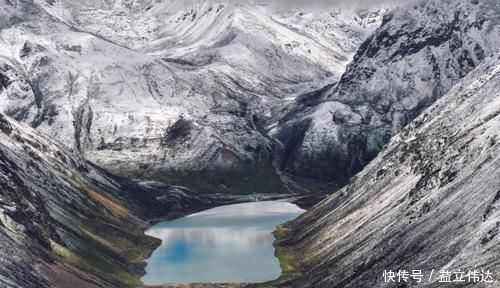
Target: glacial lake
[{"x": 228, "y": 244}]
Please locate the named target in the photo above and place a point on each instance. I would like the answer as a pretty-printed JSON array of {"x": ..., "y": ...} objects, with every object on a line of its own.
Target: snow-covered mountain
[
  {"x": 248, "y": 96},
  {"x": 430, "y": 201},
  {"x": 64, "y": 220},
  {"x": 142, "y": 87},
  {"x": 415, "y": 57}
]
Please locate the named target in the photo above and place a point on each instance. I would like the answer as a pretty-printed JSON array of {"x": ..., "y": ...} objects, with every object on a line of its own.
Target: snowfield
[{"x": 143, "y": 86}]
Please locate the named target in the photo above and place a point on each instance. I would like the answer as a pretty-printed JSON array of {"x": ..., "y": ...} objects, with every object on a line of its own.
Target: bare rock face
[
  {"x": 63, "y": 220},
  {"x": 415, "y": 57},
  {"x": 429, "y": 200}
]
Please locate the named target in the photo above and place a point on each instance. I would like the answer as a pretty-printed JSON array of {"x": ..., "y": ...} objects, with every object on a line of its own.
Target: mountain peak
[{"x": 415, "y": 57}]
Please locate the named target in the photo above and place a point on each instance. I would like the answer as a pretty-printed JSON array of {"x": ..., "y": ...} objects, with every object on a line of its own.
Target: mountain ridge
[
  {"x": 419, "y": 52},
  {"x": 428, "y": 201},
  {"x": 81, "y": 75},
  {"x": 65, "y": 220}
]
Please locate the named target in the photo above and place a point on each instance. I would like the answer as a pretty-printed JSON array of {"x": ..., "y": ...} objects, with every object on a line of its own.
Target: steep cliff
[
  {"x": 429, "y": 201},
  {"x": 419, "y": 52},
  {"x": 65, "y": 222}
]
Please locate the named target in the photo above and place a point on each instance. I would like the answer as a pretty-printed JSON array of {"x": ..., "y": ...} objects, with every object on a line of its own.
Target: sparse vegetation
[
  {"x": 258, "y": 178},
  {"x": 94, "y": 264}
]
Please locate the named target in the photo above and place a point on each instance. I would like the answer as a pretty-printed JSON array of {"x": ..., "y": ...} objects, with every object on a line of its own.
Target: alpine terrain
[
  {"x": 429, "y": 201},
  {"x": 64, "y": 221},
  {"x": 419, "y": 52},
  {"x": 118, "y": 114},
  {"x": 174, "y": 89}
]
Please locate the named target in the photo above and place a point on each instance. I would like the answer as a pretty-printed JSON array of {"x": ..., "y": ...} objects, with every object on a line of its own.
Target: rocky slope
[
  {"x": 65, "y": 222},
  {"x": 415, "y": 57},
  {"x": 155, "y": 89},
  {"x": 429, "y": 200}
]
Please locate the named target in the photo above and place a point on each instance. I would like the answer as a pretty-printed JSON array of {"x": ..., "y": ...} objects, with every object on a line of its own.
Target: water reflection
[{"x": 225, "y": 244}]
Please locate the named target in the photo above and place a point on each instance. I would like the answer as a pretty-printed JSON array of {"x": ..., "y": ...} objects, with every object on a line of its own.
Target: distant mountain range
[{"x": 165, "y": 90}]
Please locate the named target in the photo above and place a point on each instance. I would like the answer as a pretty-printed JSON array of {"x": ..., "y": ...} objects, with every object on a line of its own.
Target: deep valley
[{"x": 382, "y": 120}]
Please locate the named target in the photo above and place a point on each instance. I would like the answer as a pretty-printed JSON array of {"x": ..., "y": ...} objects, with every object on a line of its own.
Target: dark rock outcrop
[
  {"x": 428, "y": 201},
  {"x": 414, "y": 58},
  {"x": 64, "y": 220}
]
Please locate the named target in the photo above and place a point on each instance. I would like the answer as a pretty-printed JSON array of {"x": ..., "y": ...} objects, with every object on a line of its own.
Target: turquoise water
[{"x": 225, "y": 244}]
